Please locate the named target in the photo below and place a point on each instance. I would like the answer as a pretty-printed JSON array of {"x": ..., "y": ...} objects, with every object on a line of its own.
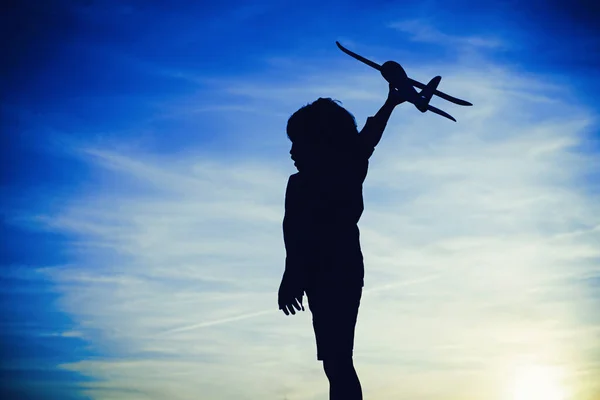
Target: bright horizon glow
[{"x": 538, "y": 382}]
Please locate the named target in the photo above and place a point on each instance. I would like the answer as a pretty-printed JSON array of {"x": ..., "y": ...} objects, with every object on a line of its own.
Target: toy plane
[{"x": 396, "y": 76}]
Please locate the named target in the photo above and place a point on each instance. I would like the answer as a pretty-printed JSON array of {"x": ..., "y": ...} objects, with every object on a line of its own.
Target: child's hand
[
  {"x": 394, "y": 96},
  {"x": 290, "y": 296}
]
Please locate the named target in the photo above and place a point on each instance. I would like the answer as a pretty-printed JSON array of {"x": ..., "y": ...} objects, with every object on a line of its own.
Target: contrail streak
[
  {"x": 264, "y": 312},
  {"x": 217, "y": 322}
]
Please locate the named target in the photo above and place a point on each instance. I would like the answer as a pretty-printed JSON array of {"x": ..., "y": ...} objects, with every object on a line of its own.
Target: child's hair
[{"x": 323, "y": 123}]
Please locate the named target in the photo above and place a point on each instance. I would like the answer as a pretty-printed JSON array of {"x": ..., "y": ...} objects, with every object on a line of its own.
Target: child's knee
[{"x": 338, "y": 365}]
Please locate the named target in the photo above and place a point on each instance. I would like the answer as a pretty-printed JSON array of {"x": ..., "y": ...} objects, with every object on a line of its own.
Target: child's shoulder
[
  {"x": 299, "y": 186},
  {"x": 293, "y": 192},
  {"x": 294, "y": 179}
]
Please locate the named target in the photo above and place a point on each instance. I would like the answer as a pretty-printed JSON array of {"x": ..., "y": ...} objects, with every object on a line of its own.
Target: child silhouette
[{"x": 323, "y": 204}]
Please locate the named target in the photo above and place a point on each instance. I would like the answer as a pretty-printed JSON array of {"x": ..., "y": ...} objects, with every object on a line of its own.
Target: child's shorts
[{"x": 334, "y": 317}]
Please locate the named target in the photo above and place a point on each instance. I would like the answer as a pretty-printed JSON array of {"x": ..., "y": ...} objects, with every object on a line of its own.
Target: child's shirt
[{"x": 320, "y": 225}]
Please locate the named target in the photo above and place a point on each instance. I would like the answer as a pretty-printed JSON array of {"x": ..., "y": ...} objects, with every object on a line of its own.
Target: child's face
[
  {"x": 298, "y": 154},
  {"x": 302, "y": 156},
  {"x": 311, "y": 157}
]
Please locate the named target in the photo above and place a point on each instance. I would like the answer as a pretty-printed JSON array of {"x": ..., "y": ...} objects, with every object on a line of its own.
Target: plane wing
[
  {"x": 359, "y": 58},
  {"x": 412, "y": 81},
  {"x": 440, "y": 112}
]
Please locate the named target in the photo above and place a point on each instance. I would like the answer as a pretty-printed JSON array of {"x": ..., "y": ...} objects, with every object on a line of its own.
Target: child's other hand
[
  {"x": 288, "y": 303},
  {"x": 394, "y": 96},
  {"x": 290, "y": 296}
]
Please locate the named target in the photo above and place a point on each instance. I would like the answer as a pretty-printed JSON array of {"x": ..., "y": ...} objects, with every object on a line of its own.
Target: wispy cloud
[{"x": 421, "y": 31}]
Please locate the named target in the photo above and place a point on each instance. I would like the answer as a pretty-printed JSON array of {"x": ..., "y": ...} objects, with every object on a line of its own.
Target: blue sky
[{"x": 144, "y": 162}]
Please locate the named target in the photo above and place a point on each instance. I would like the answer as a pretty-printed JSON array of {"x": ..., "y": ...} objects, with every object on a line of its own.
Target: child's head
[{"x": 321, "y": 132}]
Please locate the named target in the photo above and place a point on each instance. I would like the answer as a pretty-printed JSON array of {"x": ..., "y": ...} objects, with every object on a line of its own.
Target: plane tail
[{"x": 427, "y": 92}]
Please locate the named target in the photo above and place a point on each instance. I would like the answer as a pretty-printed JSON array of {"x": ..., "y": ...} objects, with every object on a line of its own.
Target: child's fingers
[
  {"x": 298, "y": 304},
  {"x": 289, "y": 303},
  {"x": 285, "y": 306}
]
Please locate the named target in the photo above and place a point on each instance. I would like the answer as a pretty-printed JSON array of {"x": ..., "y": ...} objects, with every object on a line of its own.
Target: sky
[{"x": 143, "y": 170}]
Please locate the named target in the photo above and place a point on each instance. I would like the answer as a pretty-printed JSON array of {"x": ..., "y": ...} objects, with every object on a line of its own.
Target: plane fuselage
[{"x": 395, "y": 74}]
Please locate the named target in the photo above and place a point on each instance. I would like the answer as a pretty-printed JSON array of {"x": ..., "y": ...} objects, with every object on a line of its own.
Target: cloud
[
  {"x": 421, "y": 31},
  {"x": 476, "y": 236}
]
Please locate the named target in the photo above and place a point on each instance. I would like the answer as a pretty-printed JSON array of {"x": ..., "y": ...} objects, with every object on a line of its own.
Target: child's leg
[
  {"x": 334, "y": 324},
  {"x": 343, "y": 380}
]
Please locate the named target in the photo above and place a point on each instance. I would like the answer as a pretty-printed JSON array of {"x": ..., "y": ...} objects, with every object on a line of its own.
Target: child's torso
[{"x": 331, "y": 208}]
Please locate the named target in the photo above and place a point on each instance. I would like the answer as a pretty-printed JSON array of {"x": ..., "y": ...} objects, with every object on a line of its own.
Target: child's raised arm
[{"x": 371, "y": 133}]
